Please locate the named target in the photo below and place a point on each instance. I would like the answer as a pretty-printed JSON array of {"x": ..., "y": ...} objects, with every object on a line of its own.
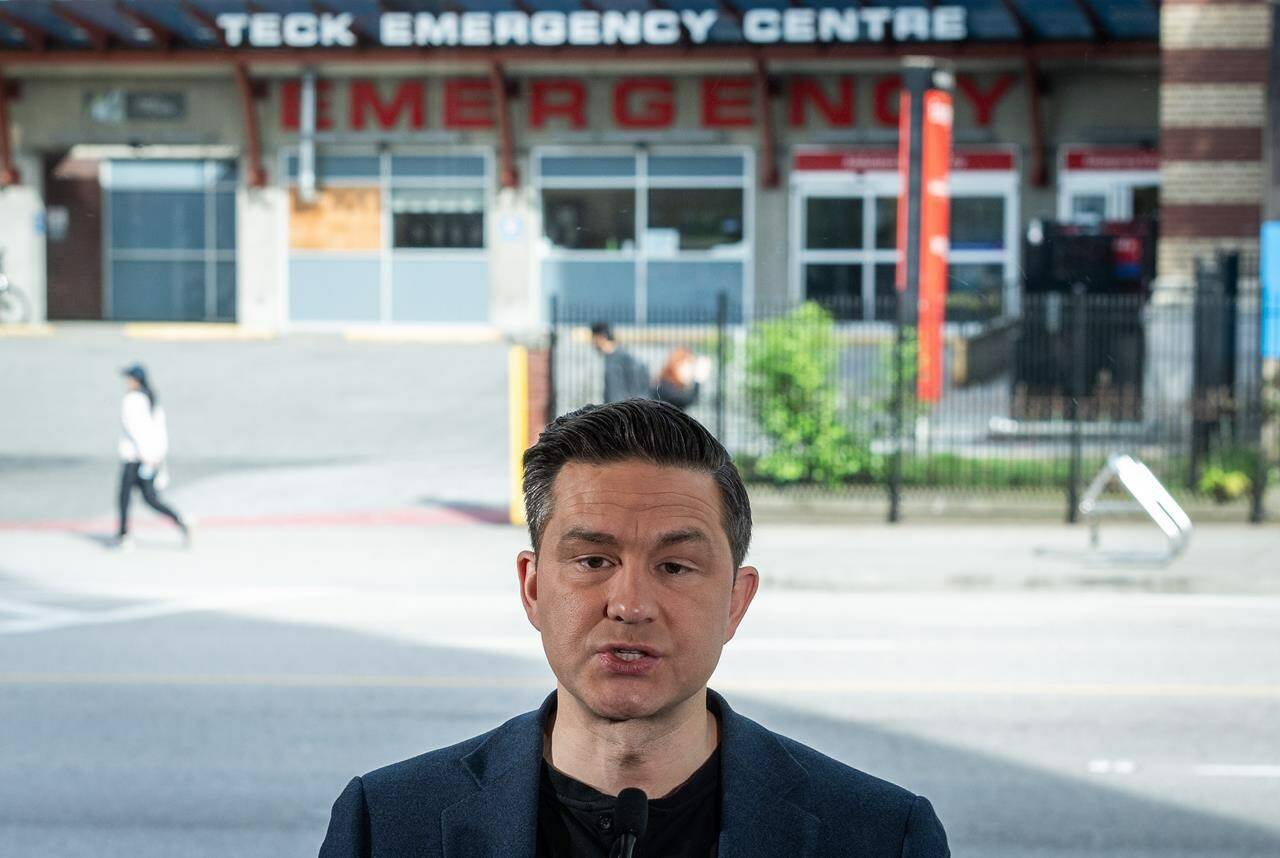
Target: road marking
[
  {"x": 759, "y": 685},
  {"x": 31, "y": 610},
  {"x": 57, "y": 618},
  {"x": 1112, "y": 767},
  {"x": 1234, "y": 771}
]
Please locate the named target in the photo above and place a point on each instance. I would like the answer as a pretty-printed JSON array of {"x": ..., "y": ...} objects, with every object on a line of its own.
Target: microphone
[{"x": 630, "y": 818}]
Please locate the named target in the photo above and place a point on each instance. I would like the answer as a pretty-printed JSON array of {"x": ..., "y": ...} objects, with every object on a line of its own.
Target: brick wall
[{"x": 1212, "y": 112}]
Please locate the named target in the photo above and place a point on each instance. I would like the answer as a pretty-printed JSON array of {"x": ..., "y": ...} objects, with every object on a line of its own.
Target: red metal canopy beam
[
  {"x": 34, "y": 36},
  {"x": 164, "y": 37},
  {"x": 8, "y": 171},
  {"x": 508, "y": 176},
  {"x": 205, "y": 20},
  {"x": 252, "y": 139},
  {"x": 99, "y": 36},
  {"x": 768, "y": 149}
]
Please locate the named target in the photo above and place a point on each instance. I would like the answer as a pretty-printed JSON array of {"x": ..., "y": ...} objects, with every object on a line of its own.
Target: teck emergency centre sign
[{"x": 590, "y": 27}]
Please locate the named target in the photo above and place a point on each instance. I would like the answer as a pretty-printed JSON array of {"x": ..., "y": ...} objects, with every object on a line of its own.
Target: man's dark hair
[
  {"x": 635, "y": 429},
  {"x": 602, "y": 329}
]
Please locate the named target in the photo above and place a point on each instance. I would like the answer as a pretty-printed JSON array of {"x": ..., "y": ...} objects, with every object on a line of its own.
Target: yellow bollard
[{"x": 518, "y": 426}]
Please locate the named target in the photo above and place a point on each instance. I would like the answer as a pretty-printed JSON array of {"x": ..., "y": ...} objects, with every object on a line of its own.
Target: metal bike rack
[{"x": 1148, "y": 495}]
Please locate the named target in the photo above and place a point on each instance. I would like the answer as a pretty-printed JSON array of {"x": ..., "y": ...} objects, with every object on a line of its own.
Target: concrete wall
[{"x": 22, "y": 240}]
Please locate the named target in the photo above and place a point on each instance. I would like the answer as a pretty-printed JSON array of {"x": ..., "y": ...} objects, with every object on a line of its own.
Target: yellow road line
[
  {"x": 25, "y": 330},
  {"x": 195, "y": 331},
  {"x": 982, "y": 689}
]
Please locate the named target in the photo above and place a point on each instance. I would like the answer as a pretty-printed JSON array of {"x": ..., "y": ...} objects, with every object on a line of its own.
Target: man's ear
[
  {"x": 527, "y": 572},
  {"x": 745, "y": 584}
]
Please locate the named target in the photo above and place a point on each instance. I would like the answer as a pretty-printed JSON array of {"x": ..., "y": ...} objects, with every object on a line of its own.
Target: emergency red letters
[
  {"x": 644, "y": 102},
  {"x": 562, "y": 98},
  {"x": 805, "y": 91},
  {"x": 408, "y": 98},
  {"x": 726, "y": 102},
  {"x": 291, "y": 106},
  {"x": 468, "y": 103}
]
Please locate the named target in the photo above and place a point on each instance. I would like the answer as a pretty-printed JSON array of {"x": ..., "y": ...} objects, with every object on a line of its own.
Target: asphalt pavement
[{"x": 350, "y": 600}]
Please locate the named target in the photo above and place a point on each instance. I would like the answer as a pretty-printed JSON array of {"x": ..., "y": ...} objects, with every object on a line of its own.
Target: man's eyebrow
[
  {"x": 679, "y": 537},
  {"x": 582, "y": 534}
]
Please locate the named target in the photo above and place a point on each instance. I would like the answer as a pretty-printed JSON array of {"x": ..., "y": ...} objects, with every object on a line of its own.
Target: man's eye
[
  {"x": 594, "y": 562},
  {"x": 673, "y": 568}
]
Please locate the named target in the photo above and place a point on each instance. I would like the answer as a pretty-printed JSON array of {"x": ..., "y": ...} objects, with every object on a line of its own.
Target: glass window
[
  {"x": 836, "y": 287},
  {"x": 977, "y": 223},
  {"x": 592, "y": 290},
  {"x": 1088, "y": 208},
  {"x": 833, "y": 223},
  {"x": 703, "y": 217},
  {"x": 174, "y": 175},
  {"x": 430, "y": 166},
  {"x": 225, "y": 205},
  {"x": 975, "y": 291},
  {"x": 160, "y": 220},
  {"x": 226, "y": 292},
  {"x": 589, "y": 219},
  {"x": 690, "y": 291},
  {"x": 157, "y": 290},
  {"x": 574, "y": 166},
  {"x": 682, "y": 166},
  {"x": 886, "y": 309},
  {"x": 887, "y": 222},
  {"x": 341, "y": 167},
  {"x": 1146, "y": 202},
  {"x": 438, "y": 217}
]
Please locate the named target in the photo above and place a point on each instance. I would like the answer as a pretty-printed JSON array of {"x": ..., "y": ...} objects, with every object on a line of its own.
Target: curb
[{"x": 194, "y": 332}]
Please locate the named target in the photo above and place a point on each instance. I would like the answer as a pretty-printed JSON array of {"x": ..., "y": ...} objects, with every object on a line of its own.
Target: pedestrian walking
[
  {"x": 625, "y": 377},
  {"x": 681, "y": 379},
  {"x": 144, "y": 446}
]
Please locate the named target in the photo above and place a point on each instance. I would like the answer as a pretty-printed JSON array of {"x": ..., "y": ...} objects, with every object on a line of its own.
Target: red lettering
[
  {"x": 727, "y": 102},
  {"x": 364, "y": 96},
  {"x": 468, "y": 104},
  {"x": 558, "y": 98},
  {"x": 805, "y": 91},
  {"x": 291, "y": 106},
  {"x": 984, "y": 103},
  {"x": 886, "y": 97},
  {"x": 657, "y": 110}
]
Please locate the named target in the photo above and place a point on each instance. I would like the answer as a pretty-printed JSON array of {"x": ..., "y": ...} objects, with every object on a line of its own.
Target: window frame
[
  {"x": 387, "y": 253},
  {"x": 641, "y": 182}
]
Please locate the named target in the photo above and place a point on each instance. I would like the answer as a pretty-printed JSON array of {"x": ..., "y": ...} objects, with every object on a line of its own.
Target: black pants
[{"x": 129, "y": 478}]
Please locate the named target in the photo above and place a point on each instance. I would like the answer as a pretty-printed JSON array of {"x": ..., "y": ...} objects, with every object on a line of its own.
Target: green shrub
[
  {"x": 1224, "y": 485},
  {"x": 792, "y": 388}
]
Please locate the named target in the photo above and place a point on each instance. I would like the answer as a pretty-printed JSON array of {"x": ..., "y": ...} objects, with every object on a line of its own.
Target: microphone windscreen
[{"x": 631, "y": 813}]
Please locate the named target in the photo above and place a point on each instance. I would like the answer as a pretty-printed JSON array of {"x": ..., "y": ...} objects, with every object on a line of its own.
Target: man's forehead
[{"x": 635, "y": 488}]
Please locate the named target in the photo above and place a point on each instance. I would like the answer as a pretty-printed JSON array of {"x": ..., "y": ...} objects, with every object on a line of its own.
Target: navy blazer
[{"x": 479, "y": 799}]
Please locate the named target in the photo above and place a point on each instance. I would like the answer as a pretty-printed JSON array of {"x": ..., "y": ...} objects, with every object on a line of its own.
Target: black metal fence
[{"x": 1032, "y": 403}]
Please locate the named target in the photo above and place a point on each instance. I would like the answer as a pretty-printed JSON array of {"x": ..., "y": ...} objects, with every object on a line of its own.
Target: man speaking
[{"x": 640, "y": 524}]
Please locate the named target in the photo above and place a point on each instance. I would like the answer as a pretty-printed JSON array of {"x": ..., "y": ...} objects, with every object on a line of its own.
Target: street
[{"x": 350, "y": 601}]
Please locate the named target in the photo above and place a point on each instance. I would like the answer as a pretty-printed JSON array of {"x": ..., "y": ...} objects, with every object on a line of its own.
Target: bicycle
[{"x": 14, "y": 306}]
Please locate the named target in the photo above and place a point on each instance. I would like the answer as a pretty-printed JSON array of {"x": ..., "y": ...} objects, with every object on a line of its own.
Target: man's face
[
  {"x": 633, "y": 589},
  {"x": 600, "y": 343}
]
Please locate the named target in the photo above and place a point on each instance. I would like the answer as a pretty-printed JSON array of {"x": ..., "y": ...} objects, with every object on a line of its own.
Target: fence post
[
  {"x": 1079, "y": 344},
  {"x": 722, "y": 327},
  {"x": 552, "y": 338},
  {"x": 899, "y": 406}
]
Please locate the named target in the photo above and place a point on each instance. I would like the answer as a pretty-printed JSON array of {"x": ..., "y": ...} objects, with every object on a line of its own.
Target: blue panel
[
  {"x": 157, "y": 291},
  {"x": 158, "y": 175},
  {"x": 157, "y": 220},
  {"x": 225, "y": 203},
  {"x": 687, "y": 291},
  {"x": 1055, "y": 20},
  {"x": 341, "y": 167},
  {"x": 577, "y": 167},
  {"x": 226, "y": 292},
  {"x": 591, "y": 290},
  {"x": 439, "y": 290},
  {"x": 1270, "y": 267},
  {"x": 433, "y": 166},
  {"x": 989, "y": 20},
  {"x": 332, "y": 288},
  {"x": 1128, "y": 19},
  {"x": 696, "y": 165}
]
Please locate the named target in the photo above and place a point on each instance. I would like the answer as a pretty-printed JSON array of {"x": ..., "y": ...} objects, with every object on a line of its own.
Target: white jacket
[{"x": 145, "y": 437}]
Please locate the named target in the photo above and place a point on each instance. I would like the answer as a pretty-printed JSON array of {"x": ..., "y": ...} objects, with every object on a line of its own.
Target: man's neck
[{"x": 656, "y": 755}]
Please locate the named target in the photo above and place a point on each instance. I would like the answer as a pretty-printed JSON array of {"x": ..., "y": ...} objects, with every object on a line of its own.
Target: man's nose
[{"x": 630, "y": 596}]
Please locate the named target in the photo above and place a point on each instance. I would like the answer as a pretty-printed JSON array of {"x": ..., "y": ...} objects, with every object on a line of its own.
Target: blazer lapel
[
  {"x": 501, "y": 816},
  {"x": 764, "y": 792}
]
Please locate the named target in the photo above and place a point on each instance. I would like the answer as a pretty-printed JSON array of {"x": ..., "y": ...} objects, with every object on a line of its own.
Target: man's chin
[{"x": 626, "y": 704}]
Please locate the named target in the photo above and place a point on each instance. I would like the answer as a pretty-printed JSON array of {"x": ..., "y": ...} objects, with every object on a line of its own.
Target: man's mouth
[
  {"x": 629, "y": 654},
  {"x": 627, "y": 659}
]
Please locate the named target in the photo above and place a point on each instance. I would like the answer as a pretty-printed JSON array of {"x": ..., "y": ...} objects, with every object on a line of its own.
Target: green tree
[{"x": 791, "y": 365}]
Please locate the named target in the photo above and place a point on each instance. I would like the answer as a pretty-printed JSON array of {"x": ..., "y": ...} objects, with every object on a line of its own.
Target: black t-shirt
[{"x": 576, "y": 821}]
